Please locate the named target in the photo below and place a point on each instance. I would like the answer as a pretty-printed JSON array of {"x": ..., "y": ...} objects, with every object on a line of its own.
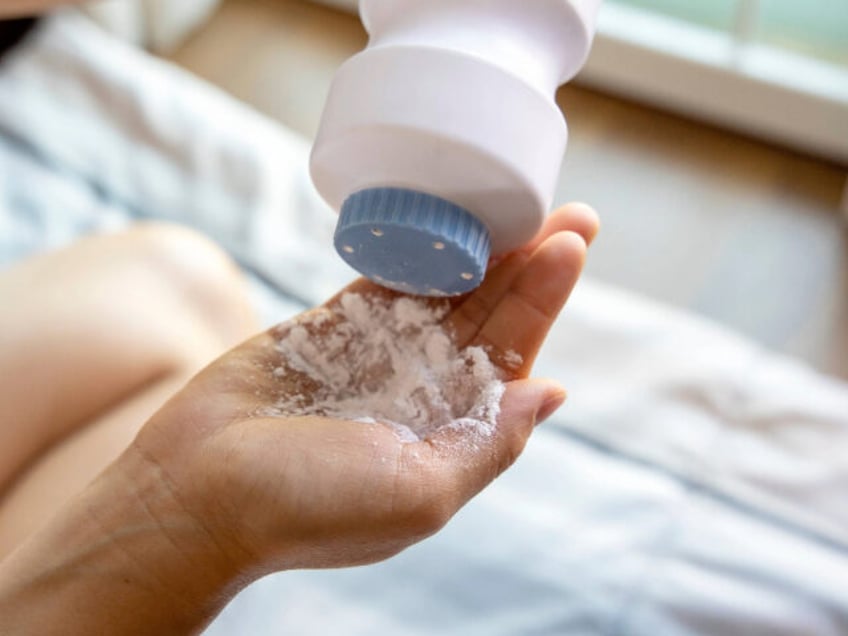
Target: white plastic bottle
[{"x": 441, "y": 142}]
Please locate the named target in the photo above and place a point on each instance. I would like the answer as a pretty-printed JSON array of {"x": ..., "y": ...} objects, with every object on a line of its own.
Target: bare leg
[{"x": 94, "y": 338}]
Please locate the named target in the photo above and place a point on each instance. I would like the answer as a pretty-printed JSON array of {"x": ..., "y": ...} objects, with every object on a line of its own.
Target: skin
[
  {"x": 95, "y": 337},
  {"x": 26, "y": 8},
  {"x": 210, "y": 496}
]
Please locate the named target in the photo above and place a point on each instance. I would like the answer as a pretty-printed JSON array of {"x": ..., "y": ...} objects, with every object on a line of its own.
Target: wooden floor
[{"x": 738, "y": 231}]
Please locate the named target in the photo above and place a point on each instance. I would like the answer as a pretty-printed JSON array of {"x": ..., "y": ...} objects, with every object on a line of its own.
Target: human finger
[
  {"x": 512, "y": 314},
  {"x": 467, "y": 460},
  {"x": 579, "y": 218}
]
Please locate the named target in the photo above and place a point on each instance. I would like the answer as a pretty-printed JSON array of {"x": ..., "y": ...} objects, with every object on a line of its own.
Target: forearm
[{"x": 123, "y": 558}]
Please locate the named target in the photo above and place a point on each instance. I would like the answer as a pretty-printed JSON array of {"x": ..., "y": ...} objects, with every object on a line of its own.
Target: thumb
[
  {"x": 526, "y": 404},
  {"x": 470, "y": 467}
]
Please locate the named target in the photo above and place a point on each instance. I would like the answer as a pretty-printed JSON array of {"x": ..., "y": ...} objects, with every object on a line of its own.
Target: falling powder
[{"x": 371, "y": 359}]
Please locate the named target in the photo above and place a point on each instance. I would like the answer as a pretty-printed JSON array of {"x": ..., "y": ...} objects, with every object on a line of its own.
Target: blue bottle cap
[{"x": 413, "y": 242}]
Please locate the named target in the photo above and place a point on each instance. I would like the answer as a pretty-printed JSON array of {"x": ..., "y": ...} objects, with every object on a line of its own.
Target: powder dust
[{"x": 372, "y": 359}]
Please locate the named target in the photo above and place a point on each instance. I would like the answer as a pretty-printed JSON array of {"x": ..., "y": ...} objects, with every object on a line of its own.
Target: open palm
[{"x": 297, "y": 491}]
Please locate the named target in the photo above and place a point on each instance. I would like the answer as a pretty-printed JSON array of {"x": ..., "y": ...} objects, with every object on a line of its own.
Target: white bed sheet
[{"x": 694, "y": 484}]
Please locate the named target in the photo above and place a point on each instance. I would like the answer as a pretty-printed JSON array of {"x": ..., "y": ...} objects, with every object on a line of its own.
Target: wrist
[{"x": 124, "y": 557}]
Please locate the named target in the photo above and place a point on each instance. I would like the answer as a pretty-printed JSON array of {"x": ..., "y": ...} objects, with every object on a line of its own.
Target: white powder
[
  {"x": 513, "y": 359},
  {"x": 376, "y": 360}
]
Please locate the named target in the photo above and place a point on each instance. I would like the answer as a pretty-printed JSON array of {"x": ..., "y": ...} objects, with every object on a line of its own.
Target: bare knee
[
  {"x": 202, "y": 274},
  {"x": 99, "y": 323}
]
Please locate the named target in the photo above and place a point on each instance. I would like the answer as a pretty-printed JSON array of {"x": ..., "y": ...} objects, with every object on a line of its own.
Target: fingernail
[{"x": 549, "y": 407}]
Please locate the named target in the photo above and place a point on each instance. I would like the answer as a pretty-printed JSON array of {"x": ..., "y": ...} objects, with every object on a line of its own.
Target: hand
[{"x": 311, "y": 492}]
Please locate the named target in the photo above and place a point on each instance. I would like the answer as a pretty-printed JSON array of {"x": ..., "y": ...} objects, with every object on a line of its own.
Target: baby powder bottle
[{"x": 441, "y": 143}]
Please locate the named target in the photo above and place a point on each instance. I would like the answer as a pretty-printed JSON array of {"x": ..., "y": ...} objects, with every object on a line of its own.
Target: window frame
[{"x": 726, "y": 79}]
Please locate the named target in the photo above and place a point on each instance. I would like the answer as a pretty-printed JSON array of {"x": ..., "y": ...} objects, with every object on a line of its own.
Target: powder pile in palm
[{"x": 373, "y": 359}]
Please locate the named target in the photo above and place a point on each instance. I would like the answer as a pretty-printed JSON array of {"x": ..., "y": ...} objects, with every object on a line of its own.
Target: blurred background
[{"x": 711, "y": 136}]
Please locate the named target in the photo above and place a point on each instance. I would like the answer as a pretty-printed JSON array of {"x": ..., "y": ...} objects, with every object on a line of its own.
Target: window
[
  {"x": 773, "y": 68},
  {"x": 816, "y": 28}
]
